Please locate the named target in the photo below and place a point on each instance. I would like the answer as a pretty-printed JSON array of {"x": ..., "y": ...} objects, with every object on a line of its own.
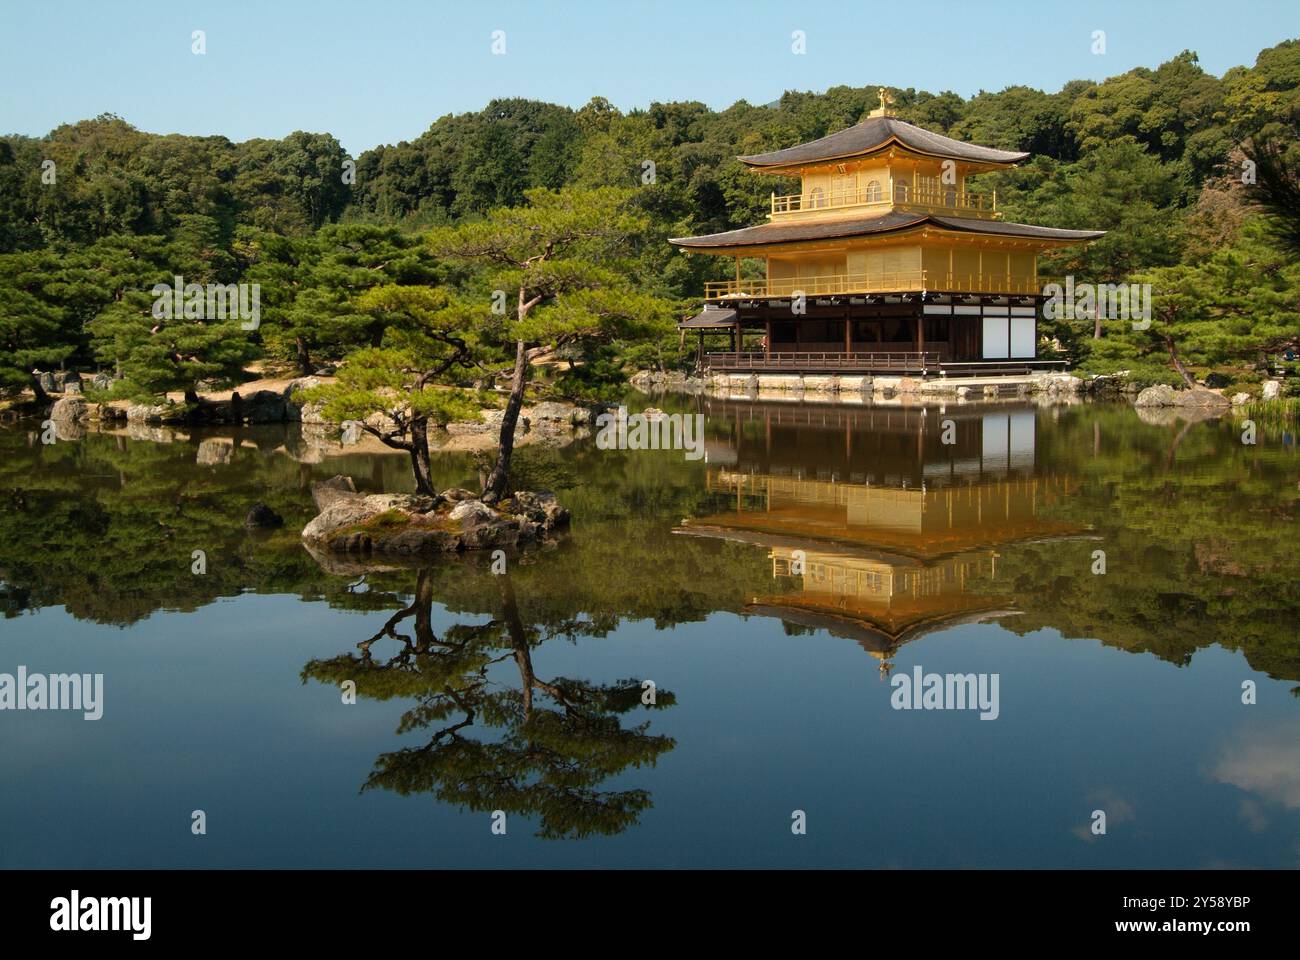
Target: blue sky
[{"x": 380, "y": 71}]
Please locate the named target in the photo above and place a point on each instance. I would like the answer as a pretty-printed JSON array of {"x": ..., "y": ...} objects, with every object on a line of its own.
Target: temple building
[{"x": 883, "y": 261}]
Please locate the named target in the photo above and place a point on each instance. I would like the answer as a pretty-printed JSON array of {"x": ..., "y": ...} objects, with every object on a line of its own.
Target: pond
[{"x": 709, "y": 669}]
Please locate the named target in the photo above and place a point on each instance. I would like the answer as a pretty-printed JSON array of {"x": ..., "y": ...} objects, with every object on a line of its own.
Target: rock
[
  {"x": 72, "y": 387},
  {"x": 47, "y": 382},
  {"x": 471, "y": 513},
  {"x": 550, "y": 410},
  {"x": 348, "y": 511},
  {"x": 492, "y": 534},
  {"x": 326, "y": 371},
  {"x": 147, "y": 413},
  {"x": 456, "y": 494},
  {"x": 101, "y": 381},
  {"x": 1272, "y": 390},
  {"x": 214, "y": 452},
  {"x": 1106, "y": 386},
  {"x": 263, "y": 517},
  {"x": 1161, "y": 395},
  {"x": 294, "y": 405},
  {"x": 419, "y": 542},
  {"x": 1058, "y": 384},
  {"x": 963, "y": 393},
  {"x": 991, "y": 391},
  {"x": 1200, "y": 398},
  {"x": 263, "y": 406},
  {"x": 381, "y": 422},
  {"x": 1240, "y": 399},
  {"x": 350, "y": 433},
  {"x": 326, "y": 492},
  {"x": 69, "y": 410},
  {"x": 539, "y": 507}
]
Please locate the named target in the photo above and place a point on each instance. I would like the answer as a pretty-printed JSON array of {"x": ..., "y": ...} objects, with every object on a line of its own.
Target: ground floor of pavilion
[{"x": 916, "y": 334}]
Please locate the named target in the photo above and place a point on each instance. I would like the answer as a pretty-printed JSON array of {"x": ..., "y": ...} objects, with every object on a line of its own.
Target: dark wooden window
[
  {"x": 783, "y": 332},
  {"x": 936, "y": 329}
]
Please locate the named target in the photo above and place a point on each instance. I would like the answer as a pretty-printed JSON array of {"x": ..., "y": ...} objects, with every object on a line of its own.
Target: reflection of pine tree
[{"x": 558, "y": 741}]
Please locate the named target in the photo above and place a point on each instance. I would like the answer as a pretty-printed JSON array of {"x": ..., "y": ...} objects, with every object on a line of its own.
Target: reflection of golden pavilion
[
  {"x": 881, "y": 565},
  {"x": 919, "y": 522}
]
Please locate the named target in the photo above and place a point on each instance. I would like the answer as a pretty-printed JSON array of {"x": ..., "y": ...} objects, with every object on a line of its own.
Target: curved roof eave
[{"x": 893, "y": 222}]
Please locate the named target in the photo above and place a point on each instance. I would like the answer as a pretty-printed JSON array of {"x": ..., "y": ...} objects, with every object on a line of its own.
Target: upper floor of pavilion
[{"x": 882, "y": 165}]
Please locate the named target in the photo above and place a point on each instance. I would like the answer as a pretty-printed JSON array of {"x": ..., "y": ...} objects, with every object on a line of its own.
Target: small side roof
[
  {"x": 711, "y": 319},
  {"x": 874, "y": 134}
]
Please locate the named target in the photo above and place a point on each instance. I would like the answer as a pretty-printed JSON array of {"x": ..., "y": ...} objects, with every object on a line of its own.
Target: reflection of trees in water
[{"x": 557, "y": 741}]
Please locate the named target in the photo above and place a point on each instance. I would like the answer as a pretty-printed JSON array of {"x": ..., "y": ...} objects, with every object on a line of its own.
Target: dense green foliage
[{"x": 96, "y": 212}]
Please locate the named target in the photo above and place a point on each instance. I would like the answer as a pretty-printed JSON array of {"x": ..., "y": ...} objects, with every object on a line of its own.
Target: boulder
[
  {"x": 309, "y": 413},
  {"x": 1161, "y": 395},
  {"x": 47, "y": 382},
  {"x": 326, "y": 492},
  {"x": 69, "y": 410},
  {"x": 326, "y": 371},
  {"x": 1240, "y": 399},
  {"x": 349, "y": 511},
  {"x": 350, "y": 433},
  {"x": 382, "y": 422},
  {"x": 263, "y": 517},
  {"x": 147, "y": 413},
  {"x": 551, "y": 410},
  {"x": 472, "y": 513},
  {"x": 539, "y": 507},
  {"x": 263, "y": 406},
  {"x": 963, "y": 393},
  {"x": 456, "y": 494},
  {"x": 1272, "y": 390},
  {"x": 1200, "y": 398},
  {"x": 293, "y": 402}
]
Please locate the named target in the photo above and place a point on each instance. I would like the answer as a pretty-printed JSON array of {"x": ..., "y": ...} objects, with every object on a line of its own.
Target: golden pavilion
[{"x": 883, "y": 261}]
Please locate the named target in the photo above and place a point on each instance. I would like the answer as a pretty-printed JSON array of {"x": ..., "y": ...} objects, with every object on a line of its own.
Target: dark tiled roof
[
  {"x": 710, "y": 318},
  {"x": 876, "y": 132},
  {"x": 1015, "y": 229},
  {"x": 863, "y": 226}
]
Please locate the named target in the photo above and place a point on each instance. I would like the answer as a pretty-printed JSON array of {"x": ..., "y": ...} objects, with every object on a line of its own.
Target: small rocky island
[{"x": 408, "y": 525}]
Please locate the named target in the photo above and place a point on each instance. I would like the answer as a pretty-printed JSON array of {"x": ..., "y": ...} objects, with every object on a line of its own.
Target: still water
[{"x": 769, "y": 593}]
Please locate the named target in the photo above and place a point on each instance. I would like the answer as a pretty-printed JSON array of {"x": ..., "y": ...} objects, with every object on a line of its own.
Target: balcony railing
[
  {"x": 899, "y": 361},
  {"x": 952, "y": 200},
  {"x": 900, "y": 282}
]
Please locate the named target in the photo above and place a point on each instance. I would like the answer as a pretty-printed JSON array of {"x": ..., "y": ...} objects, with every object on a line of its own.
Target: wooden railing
[
  {"x": 901, "y": 282},
  {"x": 952, "y": 200},
  {"x": 900, "y": 361},
  {"x": 814, "y": 286}
]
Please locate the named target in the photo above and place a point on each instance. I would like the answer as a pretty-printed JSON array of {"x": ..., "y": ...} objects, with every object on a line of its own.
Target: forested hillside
[{"x": 95, "y": 213}]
